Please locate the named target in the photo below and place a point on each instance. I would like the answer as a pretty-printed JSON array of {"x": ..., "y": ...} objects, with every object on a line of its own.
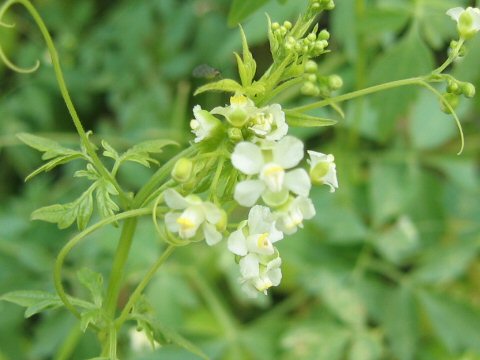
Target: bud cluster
[{"x": 317, "y": 85}]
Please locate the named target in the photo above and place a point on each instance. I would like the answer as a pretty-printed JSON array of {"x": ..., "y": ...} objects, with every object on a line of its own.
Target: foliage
[{"x": 388, "y": 268}]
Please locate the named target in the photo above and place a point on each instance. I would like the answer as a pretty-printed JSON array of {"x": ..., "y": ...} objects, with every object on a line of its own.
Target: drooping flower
[
  {"x": 468, "y": 20},
  {"x": 258, "y": 274},
  {"x": 256, "y": 235},
  {"x": 323, "y": 169},
  {"x": 204, "y": 124},
  {"x": 197, "y": 218},
  {"x": 290, "y": 217},
  {"x": 270, "y": 164}
]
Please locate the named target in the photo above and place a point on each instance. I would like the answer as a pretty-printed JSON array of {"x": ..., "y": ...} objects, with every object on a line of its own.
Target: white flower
[
  {"x": 196, "y": 215},
  {"x": 139, "y": 341},
  {"x": 269, "y": 123},
  {"x": 259, "y": 274},
  {"x": 266, "y": 123},
  {"x": 239, "y": 112},
  {"x": 204, "y": 124},
  {"x": 292, "y": 215},
  {"x": 468, "y": 20},
  {"x": 257, "y": 235},
  {"x": 323, "y": 169},
  {"x": 273, "y": 182}
]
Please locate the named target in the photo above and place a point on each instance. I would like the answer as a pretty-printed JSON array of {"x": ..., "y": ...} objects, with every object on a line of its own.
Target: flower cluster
[{"x": 270, "y": 181}]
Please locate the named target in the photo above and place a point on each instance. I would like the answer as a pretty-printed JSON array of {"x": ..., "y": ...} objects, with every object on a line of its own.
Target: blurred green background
[{"x": 389, "y": 267}]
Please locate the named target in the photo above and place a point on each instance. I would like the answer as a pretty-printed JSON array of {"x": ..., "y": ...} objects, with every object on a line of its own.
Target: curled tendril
[
  {"x": 5, "y": 25},
  {"x": 165, "y": 235},
  {"x": 452, "y": 111},
  {"x": 16, "y": 68}
]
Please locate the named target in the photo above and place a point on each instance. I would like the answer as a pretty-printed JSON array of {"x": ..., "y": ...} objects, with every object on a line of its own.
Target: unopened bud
[
  {"x": 235, "y": 134},
  {"x": 335, "y": 82},
  {"x": 182, "y": 170},
  {"x": 311, "y": 67},
  {"x": 324, "y": 35},
  {"x": 288, "y": 25},
  {"x": 468, "y": 89},
  {"x": 221, "y": 225},
  {"x": 452, "y": 99}
]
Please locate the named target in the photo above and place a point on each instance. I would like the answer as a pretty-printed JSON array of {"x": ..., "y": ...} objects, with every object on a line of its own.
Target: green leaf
[
  {"x": 49, "y": 147},
  {"x": 65, "y": 215},
  {"x": 241, "y": 9},
  {"x": 62, "y": 215},
  {"x": 104, "y": 189},
  {"x": 140, "y": 153},
  {"x": 247, "y": 66},
  {"x": 298, "y": 119},
  {"x": 109, "y": 150},
  {"x": 366, "y": 346},
  {"x": 38, "y": 301},
  {"x": 456, "y": 324},
  {"x": 226, "y": 85},
  {"x": 401, "y": 323},
  {"x": 95, "y": 316},
  {"x": 93, "y": 281},
  {"x": 63, "y": 159}
]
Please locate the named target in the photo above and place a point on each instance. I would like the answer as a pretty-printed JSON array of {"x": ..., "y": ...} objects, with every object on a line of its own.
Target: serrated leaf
[
  {"x": 49, "y": 147},
  {"x": 92, "y": 316},
  {"x": 103, "y": 192},
  {"x": 298, "y": 119},
  {"x": 226, "y": 85},
  {"x": 241, "y": 9},
  {"x": 84, "y": 209},
  {"x": 62, "y": 215},
  {"x": 247, "y": 66},
  {"x": 140, "y": 153},
  {"x": 63, "y": 159},
  {"x": 38, "y": 301},
  {"x": 109, "y": 150},
  {"x": 93, "y": 281}
]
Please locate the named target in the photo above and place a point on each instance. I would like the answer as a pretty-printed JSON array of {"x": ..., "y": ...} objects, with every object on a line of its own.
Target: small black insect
[{"x": 205, "y": 71}]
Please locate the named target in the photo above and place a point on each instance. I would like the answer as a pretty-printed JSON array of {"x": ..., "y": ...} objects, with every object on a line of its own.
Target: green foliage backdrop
[{"x": 389, "y": 267}]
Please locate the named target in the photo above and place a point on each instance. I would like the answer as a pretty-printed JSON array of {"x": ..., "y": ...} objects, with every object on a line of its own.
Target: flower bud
[
  {"x": 288, "y": 25},
  {"x": 275, "y": 26},
  {"x": 182, "y": 170},
  {"x": 335, "y": 82},
  {"x": 468, "y": 89},
  {"x": 311, "y": 67},
  {"x": 221, "y": 225},
  {"x": 452, "y": 100},
  {"x": 324, "y": 35},
  {"x": 468, "y": 21},
  {"x": 452, "y": 87},
  {"x": 310, "y": 89},
  {"x": 235, "y": 134}
]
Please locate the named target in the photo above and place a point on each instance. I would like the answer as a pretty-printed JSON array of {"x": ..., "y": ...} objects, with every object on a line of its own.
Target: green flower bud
[
  {"x": 452, "y": 99},
  {"x": 335, "y": 82},
  {"x": 288, "y": 25},
  {"x": 310, "y": 89},
  {"x": 468, "y": 89},
  {"x": 452, "y": 87},
  {"x": 275, "y": 26},
  {"x": 182, "y": 170},
  {"x": 235, "y": 134},
  {"x": 311, "y": 67},
  {"x": 324, "y": 35},
  {"x": 312, "y": 37},
  {"x": 221, "y": 225}
]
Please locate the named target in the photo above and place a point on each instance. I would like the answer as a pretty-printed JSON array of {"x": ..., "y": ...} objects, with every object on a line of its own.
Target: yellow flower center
[
  {"x": 185, "y": 223},
  {"x": 263, "y": 240}
]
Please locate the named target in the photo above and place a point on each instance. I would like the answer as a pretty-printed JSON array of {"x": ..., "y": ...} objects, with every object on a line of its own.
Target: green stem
[
  {"x": 75, "y": 241},
  {"x": 119, "y": 261},
  {"x": 65, "y": 94},
  {"x": 144, "y": 194},
  {"x": 143, "y": 284},
  {"x": 451, "y": 58},
  {"x": 359, "y": 93}
]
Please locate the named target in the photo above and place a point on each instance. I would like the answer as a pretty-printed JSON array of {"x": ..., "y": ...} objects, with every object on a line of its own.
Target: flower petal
[
  {"x": 237, "y": 243},
  {"x": 212, "y": 236},
  {"x": 174, "y": 200},
  {"x": 249, "y": 266},
  {"x": 259, "y": 220},
  {"x": 212, "y": 213},
  {"x": 298, "y": 182},
  {"x": 247, "y": 192},
  {"x": 288, "y": 152},
  {"x": 455, "y": 13},
  {"x": 247, "y": 158},
  {"x": 171, "y": 221}
]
